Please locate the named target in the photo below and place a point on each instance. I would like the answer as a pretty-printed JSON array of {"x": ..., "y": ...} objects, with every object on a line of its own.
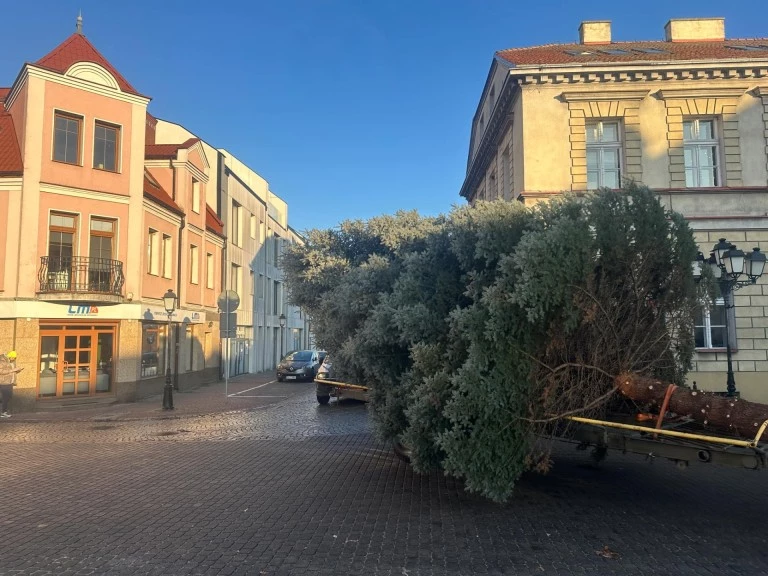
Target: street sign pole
[{"x": 228, "y": 302}]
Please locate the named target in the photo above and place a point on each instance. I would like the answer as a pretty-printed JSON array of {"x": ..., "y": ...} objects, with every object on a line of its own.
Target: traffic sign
[{"x": 228, "y": 301}]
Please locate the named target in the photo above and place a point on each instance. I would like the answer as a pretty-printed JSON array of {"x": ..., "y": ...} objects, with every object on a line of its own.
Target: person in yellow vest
[{"x": 8, "y": 382}]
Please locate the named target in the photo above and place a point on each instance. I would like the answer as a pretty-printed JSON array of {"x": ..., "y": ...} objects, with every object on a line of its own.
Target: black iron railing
[{"x": 79, "y": 274}]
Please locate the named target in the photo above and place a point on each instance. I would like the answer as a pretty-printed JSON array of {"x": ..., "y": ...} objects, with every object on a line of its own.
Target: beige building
[
  {"x": 256, "y": 227},
  {"x": 686, "y": 116}
]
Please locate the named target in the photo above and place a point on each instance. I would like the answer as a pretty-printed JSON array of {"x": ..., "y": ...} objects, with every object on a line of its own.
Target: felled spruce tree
[{"x": 477, "y": 332}]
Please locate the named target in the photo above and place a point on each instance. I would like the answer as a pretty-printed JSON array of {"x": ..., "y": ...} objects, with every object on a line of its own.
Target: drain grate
[{"x": 103, "y": 427}]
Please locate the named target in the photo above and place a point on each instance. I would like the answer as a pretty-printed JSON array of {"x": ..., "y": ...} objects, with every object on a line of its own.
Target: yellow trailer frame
[{"x": 678, "y": 446}]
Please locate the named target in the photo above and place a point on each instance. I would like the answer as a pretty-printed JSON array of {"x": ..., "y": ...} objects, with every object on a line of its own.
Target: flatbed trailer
[
  {"x": 327, "y": 389},
  {"x": 681, "y": 441}
]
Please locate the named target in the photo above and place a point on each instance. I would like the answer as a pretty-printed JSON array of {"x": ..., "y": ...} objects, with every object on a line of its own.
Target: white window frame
[
  {"x": 600, "y": 146},
  {"x": 153, "y": 252},
  {"x": 695, "y": 145},
  {"x": 195, "y": 196},
  {"x": 167, "y": 256},
  {"x": 193, "y": 264},
  {"x": 209, "y": 270}
]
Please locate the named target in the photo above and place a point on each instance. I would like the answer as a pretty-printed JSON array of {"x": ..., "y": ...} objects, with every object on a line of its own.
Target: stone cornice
[
  {"x": 607, "y": 95},
  {"x": 194, "y": 170},
  {"x": 497, "y": 125},
  {"x": 162, "y": 212},
  {"x": 11, "y": 183},
  {"x": 640, "y": 73},
  {"x": 708, "y": 92},
  {"x": 85, "y": 85}
]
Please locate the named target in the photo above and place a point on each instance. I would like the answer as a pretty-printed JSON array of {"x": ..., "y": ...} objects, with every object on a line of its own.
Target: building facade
[
  {"x": 255, "y": 222},
  {"x": 686, "y": 116},
  {"x": 97, "y": 226}
]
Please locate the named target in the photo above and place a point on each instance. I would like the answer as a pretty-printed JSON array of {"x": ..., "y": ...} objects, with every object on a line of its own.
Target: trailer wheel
[
  {"x": 323, "y": 399},
  {"x": 402, "y": 452}
]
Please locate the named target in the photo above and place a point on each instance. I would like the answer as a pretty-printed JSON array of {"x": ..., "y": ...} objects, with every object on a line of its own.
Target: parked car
[{"x": 298, "y": 365}]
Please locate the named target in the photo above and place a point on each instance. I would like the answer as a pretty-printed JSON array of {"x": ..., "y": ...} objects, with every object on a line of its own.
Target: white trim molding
[
  {"x": 92, "y": 72},
  {"x": 83, "y": 193}
]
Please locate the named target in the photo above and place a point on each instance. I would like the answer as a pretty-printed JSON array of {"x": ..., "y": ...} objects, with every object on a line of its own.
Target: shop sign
[{"x": 82, "y": 310}]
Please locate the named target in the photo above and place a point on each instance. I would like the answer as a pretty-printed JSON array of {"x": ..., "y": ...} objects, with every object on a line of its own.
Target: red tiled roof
[
  {"x": 75, "y": 49},
  {"x": 212, "y": 222},
  {"x": 10, "y": 153},
  {"x": 4, "y": 93},
  {"x": 154, "y": 191},
  {"x": 553, "y": 54},
  {"x": 166, "y": 151}
]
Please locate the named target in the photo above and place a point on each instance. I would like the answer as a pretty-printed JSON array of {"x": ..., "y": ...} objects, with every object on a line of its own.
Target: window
[
  {"x": 106, "y": 140},
  {"x": 193, "y": 272},
  {"x": 236, "y": 278},
  {"x": 276, "y": 298},
  {"x": 66, "y": 138},
  {"x": 209, "y": 270},
  {"x": 153, "y": 253},
  {"x": 603, "y": 155},
  {"x": 62, "y": 231},
  {"x": 101, "y": 246},
  {"x": 195, "y": 196},
  {"x": 236, "y": 224},
  {"x": 650, "y": 50},
  {"x": 260, "y": 287},
  {"x": 700, "y": 148},
  {"x": 153, "y": 349},
  {"x": 167, "y": 256},
  {"x": 710, "y": 324},
  {"x": 276, "y": 249},
  {"x": 253, "y": 226},
  {"x": 252, "y": 282}
]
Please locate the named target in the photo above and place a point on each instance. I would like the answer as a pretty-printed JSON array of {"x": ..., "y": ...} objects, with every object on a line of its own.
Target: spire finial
[{"x": 79, "y": 26}]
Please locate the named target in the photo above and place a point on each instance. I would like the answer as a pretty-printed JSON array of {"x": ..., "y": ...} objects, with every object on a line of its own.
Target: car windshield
[{"x": 303, "y": 356}]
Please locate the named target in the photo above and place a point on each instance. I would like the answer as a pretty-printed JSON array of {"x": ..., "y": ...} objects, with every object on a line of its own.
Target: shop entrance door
[
  {"x": 76, "y": 369},
  {"x": 75, "y": 361}
]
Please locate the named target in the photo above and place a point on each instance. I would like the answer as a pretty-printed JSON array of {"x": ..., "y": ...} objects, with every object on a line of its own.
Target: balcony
[{"x": 80, "y": 279}]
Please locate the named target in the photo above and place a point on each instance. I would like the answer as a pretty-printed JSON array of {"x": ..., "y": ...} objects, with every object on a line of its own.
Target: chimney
[
  {"x": 695, "y": 29},
  {"x": 595, "y": 32}
]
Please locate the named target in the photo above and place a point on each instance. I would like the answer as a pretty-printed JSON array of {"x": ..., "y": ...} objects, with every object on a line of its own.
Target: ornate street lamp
[
  {"x": 732, "y": 270},
  {"x": 282, "y": 333},
  {"x": 169, "y": 301}
]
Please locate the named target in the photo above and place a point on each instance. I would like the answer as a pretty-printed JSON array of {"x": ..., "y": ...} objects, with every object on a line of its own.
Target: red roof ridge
[
  {"x": 75, "y": 49},
  {"x": 167, "y": 151}
]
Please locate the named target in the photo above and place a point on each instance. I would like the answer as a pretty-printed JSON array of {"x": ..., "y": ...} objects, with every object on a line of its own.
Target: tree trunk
[{"x": 730, "y": 415}]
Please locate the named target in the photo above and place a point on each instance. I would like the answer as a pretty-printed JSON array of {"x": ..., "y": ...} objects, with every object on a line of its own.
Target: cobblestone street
[{"x": 291, "y": 487}]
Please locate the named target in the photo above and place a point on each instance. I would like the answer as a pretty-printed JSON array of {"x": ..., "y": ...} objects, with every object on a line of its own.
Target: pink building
[{"x": 99, "y": 223}]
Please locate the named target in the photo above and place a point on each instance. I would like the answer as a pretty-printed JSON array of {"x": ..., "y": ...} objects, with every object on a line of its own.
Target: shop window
[{"x": 153, "y": 345}]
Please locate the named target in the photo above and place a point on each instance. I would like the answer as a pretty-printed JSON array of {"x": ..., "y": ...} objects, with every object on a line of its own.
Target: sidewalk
[{"x": 244, "y": 392}]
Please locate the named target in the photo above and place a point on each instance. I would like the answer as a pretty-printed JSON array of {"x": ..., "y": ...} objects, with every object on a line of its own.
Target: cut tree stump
[{"x": 730, "y": 415}]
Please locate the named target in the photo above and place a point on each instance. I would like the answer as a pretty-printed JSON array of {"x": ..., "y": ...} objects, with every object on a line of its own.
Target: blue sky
[{"x": 349, "y": 109}]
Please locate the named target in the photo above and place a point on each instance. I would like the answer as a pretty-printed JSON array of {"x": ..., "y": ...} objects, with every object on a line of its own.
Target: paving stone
[{"x": 297, "y": 488}]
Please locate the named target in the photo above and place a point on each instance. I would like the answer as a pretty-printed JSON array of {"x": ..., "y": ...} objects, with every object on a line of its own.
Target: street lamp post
[
  {"x": 169, "y": 301},
  {"x": 282, "y": 333},
  {"x": 732, "y": 270}
]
